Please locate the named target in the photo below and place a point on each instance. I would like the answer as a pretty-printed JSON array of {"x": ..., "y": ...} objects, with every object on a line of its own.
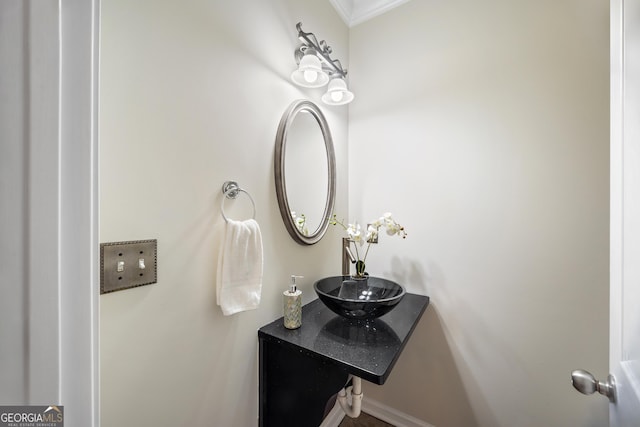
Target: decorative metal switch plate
[{"x": 125, "y": 265}]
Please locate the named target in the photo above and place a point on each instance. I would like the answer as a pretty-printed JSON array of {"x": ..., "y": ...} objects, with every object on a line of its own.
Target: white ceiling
[{"x": 353, "y": 12}]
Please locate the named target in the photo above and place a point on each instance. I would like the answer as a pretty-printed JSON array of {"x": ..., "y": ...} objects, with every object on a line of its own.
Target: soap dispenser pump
[{"x": 292, "y": 305}]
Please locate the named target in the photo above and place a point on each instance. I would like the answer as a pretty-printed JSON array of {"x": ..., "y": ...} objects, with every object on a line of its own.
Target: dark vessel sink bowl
[{"x": 359, "y": 299}]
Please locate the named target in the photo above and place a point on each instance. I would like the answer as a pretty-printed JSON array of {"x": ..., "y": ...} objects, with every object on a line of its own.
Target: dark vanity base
[
  {"x": 295, "y": 389},
  {"x": 301, "y": 370}
]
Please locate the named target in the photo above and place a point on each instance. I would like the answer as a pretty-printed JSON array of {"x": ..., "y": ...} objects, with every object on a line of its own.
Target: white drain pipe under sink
[{"x": 355, "y": 392}]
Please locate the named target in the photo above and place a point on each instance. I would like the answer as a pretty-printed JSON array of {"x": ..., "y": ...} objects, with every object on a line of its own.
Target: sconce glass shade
[
  {"x": 309, "y": 72},
  {"x": 337, "y": 93}
]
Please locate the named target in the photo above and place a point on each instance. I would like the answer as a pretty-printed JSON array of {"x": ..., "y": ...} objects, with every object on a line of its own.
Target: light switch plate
[{"x": 125, "y": 265}]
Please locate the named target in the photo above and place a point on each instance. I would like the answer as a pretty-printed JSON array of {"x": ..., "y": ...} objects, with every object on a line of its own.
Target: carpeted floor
[{"x": 364, "y": 420}]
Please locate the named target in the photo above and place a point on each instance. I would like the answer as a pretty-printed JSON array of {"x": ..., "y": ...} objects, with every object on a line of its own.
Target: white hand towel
[{"x": 239, "y": 282}]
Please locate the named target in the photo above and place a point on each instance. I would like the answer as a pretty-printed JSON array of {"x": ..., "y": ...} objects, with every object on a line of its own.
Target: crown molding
[{"x": 354, "y": 12}]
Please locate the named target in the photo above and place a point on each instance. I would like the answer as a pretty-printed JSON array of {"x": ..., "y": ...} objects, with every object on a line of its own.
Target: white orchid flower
[
  {"x": 354, "y": 233},
  {"x": 300, "y": 222},
  {"x": 372, "y": 233},
  {"x": 377, "y": 223},
  {"x": 393, "y": 228},
  {"x": 391, "y": 225}
]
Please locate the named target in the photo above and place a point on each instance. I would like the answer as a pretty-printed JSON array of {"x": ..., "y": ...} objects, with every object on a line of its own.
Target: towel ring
[{"x": 231, "y": 190}]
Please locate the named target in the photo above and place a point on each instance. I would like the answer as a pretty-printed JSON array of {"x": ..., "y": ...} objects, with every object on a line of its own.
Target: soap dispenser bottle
[{"x": 292, "y": 305}]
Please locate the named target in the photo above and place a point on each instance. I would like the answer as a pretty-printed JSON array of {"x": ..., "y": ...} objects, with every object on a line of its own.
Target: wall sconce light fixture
[{"x": 316, "y": 69}]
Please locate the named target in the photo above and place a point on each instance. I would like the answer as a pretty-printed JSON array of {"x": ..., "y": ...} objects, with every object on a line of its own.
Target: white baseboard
[
  {"x": 334, "y": 417},
  {"x": 378, "y": 410},
  {"x": 391, "y": 415}
]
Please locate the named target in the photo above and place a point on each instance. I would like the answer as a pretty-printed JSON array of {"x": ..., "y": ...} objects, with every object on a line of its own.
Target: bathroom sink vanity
[
  {"x": 301, "y": 370},
  {"x": 364, "y": 325}
]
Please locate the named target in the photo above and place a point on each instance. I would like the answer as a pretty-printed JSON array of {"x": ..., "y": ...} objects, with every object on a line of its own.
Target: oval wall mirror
[{"x": 305, "y": 172}]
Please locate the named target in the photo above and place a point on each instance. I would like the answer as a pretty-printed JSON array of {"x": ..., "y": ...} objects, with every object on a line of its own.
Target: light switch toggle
[
  {"x": 120, "y": 267},
  {"x": 141, "y": 264}
]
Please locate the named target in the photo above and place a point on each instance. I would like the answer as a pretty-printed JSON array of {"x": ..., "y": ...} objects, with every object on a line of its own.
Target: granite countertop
[{"x": 368, "y": 349}]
